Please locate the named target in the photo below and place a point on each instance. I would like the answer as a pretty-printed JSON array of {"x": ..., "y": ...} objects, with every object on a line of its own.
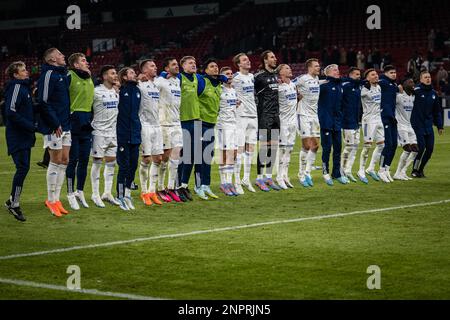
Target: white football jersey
[
  {"x": 169, "y": 100},
  {"x": 403, "y": 109},
  {"x": 287, "y": 99},
  {"x": 149, "y": 108},
  {"x": 227, "y": 109},
  {"x": 244, "y": 84},
  {"x": 371, "y": 104},
  {"x": 105, "y": 110},
  {"x": 309, "y": 87}
]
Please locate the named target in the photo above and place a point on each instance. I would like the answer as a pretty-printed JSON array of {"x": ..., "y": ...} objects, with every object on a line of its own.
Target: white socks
[
  {"x": 173, "y": 169},
  {"x": 162, "y": 175},
  {"x": 52, "y": 176},
  {"x": 59, "y": 180},
  {"x": 154, "y": 170},
  {"x": 302, "y": 162},
  {"x": 248, "y": 156},
  {"x": 376, "y": 156},
  {"x": 143, "y": 176},
  {"x": 401, "y": 162},
  {"x": 95, "y": 176},
  {"x": 237, "y": 167},
  {"x": 222, "y": 174},
  {"x": 284, "y": 160},
  {"x": 108, "y": 175},
  {"x": 363, "y": 158},
  {"x": 409, "y": 161},
  {"x": 310, "y": 159}
]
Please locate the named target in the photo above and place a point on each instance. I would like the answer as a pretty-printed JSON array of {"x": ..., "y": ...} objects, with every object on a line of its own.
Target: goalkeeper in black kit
[{"x": 266, "y": 92}]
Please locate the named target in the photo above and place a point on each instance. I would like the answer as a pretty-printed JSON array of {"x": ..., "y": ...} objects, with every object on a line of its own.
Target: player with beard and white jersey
[
  {"x": 151, "y": 135},
  {"x": 372, "y": 125},
  {"x": 247, "y": 121},
  {"x": 104, "y": 137},
  {"x": 172, "y": 135},
  {"x": 406, "y": 135},
  {"x": 308, "y": 88},
  {"x": 287, "y": 98}
]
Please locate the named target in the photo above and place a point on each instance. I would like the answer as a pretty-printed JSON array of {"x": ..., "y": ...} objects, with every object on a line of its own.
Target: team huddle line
[{"x": 167, "y": 124}]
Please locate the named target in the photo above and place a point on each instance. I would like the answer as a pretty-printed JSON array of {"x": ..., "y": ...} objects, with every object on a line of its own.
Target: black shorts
[{"x": 268, "y": 127}]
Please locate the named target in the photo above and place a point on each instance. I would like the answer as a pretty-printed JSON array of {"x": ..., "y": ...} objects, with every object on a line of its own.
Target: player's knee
[
  {"x": 407, "y": 148},
  {"x": 414, "y": 148}
]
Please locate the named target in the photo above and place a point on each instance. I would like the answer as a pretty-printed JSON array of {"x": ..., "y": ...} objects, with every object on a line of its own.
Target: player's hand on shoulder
[
  {"x": 142, "y": 77},
  {"x": 400, "y": 88}
]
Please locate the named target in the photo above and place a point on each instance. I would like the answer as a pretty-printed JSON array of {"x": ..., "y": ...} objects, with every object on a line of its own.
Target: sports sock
[
  {"x": 143, "y": 176},
  {"x": 376, "y": 155},
  {"x": 173, "y": 168},
  {"x": 302, "y": 162},
  {"x": 162, "y": 175},
  {"x": 237, "y": 168},
  {"x": 60, "y": 180},
  {"x": 108, "y": 176},
  {"x": 363, "y": 157},
  {"x": 154, "y": 169},
  {"x": 95, "y": 176},
  {"x": 310, "y": 160},
  {"x": 248, "y": 156},
  {"x": 409, "y": 160}
]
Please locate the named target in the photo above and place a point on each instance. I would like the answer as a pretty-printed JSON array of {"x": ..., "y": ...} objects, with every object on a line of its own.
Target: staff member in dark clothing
[
  {"x": 426, "y": 112},
  {"x": 81, "y": 90},
  {"x": 20, "y": 129},
  {"x": 128, "y": 136},
  {"x": 330, "y": 119},
  {"x": 266, "y": 92}
]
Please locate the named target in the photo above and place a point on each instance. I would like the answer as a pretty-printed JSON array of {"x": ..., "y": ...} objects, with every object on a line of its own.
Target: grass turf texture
[{"x": 314, "y": 259}]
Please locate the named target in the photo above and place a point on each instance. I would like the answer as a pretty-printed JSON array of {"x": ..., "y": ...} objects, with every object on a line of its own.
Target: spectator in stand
[
  {"x": 351, "y": 58},
  {"x": 376, "y": 58},
  {"x": 386, "y": 60},
  {"x": 293, "y": 52},
  {"x": 310, "y": 41},
  {"x": 334, "y": 58},
  {"x": 369, "y": 60},
  {"x": 325, "y": 57},
  {"x": 360, "y": 61},
  {"x": 442, "y": 74},
  {"x": 342, "y": 57}
]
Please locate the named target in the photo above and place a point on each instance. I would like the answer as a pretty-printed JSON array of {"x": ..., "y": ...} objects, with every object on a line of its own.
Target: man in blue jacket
[
  {"x": 330, "y": 119},
  {"x": 351, "y": 113},
  {"x": 20, "y": 129},
  {"x": 128, "y": 136},
  {"x": 426, "y": 112},
  {"x": 389, "y": 90},
  {"x": 54, "y": 100}
]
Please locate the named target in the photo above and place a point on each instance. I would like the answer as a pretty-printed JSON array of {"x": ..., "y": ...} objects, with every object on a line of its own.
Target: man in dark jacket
[
  {"x": 426, "y": 112},
  {"x": 266, "y": 92},
  {"x": 54, "y": 100},
  {"x": 351, "y": 113},
  {"x": 128, "y": 136},
  {"x": 330, "y": 119},
  {"x": 389, "y": 90},
  {"x": 81, "y": 89},
  {"x": 20, "y": 129}
]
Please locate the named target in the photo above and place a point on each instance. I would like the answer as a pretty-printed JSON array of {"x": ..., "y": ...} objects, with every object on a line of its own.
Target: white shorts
[
  {"x": 152, "y": 142},
  {"x": 308, "y": 127},
  {"x": 247, "y": 131},
  {"x": 406, "y": 135},
  {"x": 226, "y": 138},
  {"x": 104, "y": 147},
  {"x": 351, "y": 136},
  {"x": 373, "y": 132},
  {"x": 54, "y": 143},
  {"x": 288, "y": 132},
  {"x": 172, "y": 137}
]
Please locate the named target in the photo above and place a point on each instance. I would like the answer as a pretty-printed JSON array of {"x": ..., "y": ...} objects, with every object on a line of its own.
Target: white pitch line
[
  {"x": 94, "y": 292},
  {"x": 245, "y": 226}
]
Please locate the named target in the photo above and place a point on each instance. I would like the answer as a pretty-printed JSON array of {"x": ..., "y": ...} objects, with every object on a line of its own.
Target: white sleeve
[{"x": 364, "y": 92}]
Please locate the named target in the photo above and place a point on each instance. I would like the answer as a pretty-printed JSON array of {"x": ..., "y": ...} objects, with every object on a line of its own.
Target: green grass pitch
[{"x": 303, "y": 259}]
